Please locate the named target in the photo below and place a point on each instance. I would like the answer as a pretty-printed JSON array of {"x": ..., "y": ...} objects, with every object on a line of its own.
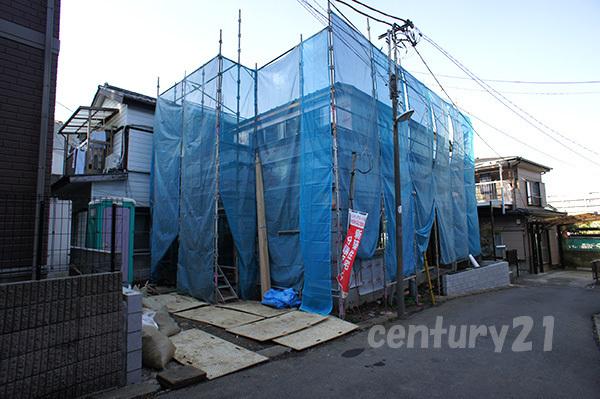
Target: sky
[{"x": 129, "y": 43}]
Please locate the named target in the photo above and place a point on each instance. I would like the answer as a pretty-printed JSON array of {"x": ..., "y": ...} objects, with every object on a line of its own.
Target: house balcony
[{"x": 495, "y": 192}]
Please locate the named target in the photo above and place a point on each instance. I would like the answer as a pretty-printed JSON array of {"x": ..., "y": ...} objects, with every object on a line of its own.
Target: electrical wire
[
  {"x": 64, "y": 106},
  {"x": 365, "y": 14},
  {"x": 494, "y": 93},
  {"x": 452, "y": 101},
  {"x": 490, "y": 89},
  {"x": 526, "y": 82},
  {"x": 513, "y": 137},
  {"x": 322, "y": 18},
  {"x": 532, "y": 93},
  {"x": 379, "y": 11}
]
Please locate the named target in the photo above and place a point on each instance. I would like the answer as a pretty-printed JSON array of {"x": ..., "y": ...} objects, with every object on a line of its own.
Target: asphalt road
[{"x": 350, "y": 368}]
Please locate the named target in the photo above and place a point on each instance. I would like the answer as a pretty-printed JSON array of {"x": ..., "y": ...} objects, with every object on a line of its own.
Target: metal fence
[{"x": 79, "y": 235}]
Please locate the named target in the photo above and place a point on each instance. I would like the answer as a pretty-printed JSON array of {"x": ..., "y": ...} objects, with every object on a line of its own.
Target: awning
[
  {"x": 84, "y": 117},
  {"x": 572, "y": 219}
]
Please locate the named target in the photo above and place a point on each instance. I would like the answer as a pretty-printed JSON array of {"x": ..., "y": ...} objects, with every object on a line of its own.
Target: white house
[{"x": 107, "y": 153}]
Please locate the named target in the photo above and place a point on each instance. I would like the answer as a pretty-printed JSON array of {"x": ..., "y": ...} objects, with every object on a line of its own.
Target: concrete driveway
[{"x": 350, "y": 368}]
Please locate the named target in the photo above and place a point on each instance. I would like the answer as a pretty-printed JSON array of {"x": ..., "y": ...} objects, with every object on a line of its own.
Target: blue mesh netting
[
  {"x": 288, "y": 127},
  {"x": 165, "y": 180},
  {"x": 315, "y": 177}
]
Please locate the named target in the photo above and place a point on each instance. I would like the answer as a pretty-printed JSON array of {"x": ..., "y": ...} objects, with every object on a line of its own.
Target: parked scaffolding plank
[
  {"x": 219, "y": 317},
  {"x": 278, "y": 326},
  {"x": 254, "y": 307},
  {"x": 173, "y": 302},
  {"x": 211, "y": 354},
  {"x": 324, "y": 331}
]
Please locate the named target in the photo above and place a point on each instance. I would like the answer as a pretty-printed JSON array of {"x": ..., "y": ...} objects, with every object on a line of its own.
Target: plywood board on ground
[
  {"x": 211, "y": 354},
  {"x": 254, "y": 307},
  {"x": 223, "y": 318},
  {"x": 174, "y": 302},
  {"x": 277, "y": 326},
  {"x": 326, "y": 330}
]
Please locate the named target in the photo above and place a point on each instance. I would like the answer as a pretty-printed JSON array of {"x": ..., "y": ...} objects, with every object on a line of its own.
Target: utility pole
[
  {"x": 393, "y": 43},
  {"x": 393, "y": 84}
]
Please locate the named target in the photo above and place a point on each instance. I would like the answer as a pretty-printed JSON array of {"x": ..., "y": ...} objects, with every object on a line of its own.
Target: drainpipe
[{"x": 43, "y": 143}]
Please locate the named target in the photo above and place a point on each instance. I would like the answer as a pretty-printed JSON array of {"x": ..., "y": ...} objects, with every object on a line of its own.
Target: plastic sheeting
[
  {"x": 165, "y": 180},
  {"x": 288, "y": 126},
  {"x": 315, "y": 178}
]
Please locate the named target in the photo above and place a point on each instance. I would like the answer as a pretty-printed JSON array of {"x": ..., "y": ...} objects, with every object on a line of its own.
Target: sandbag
[
  {"x": 166, "y": 324},
  {"x": 157, "y": 348}
]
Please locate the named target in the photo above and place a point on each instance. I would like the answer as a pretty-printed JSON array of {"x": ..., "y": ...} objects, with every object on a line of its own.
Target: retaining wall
[
  {"x": 477, "y": 279},
  {"x": 61, "y": 337}
]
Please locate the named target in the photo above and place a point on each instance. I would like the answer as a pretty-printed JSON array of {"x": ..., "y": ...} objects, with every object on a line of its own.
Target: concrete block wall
[
  {"x": 132, "y": 302},
  {"x": 61, "y": 337},
  {"x": 472, "y": 280}
]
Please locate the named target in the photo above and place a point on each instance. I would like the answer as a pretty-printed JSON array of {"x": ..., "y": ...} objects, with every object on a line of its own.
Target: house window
[{"x": 534, "y": 197}]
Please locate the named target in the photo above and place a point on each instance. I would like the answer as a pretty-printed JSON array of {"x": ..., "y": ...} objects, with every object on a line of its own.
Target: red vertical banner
[{"x": 350, "y": 248}]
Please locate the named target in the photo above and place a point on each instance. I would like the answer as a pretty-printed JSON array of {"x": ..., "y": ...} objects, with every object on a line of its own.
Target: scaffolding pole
[
  {"x": 202, "y": 90},
  {"x": 239, "y": 53},
  {"x": 341, "y": 307},
  {"x": 382, "y": 200},
  {"x": 217, "y": 149}
]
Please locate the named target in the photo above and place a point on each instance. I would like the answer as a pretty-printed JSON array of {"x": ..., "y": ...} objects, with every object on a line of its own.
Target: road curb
[{"x": 596, "y": 319}]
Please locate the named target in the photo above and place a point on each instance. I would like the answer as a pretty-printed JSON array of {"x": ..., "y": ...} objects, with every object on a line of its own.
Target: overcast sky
[{"x": 128, "y": 43}]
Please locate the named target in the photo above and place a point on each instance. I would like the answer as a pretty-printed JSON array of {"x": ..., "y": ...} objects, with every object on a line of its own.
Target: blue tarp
[{"x": 288, "y": 128}]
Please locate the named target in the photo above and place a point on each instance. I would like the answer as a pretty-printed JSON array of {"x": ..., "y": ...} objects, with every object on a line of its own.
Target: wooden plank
[
  {"x": 263, "y": 247},
  {"x": 274, "y": 327},
  {"x": 211, "y": 354},
  {"x": 321, "y": 332},
  {"x": 219, "y": 317},
  {"x": 254, "y": 307},
  {"x": 173, "y": 302}
]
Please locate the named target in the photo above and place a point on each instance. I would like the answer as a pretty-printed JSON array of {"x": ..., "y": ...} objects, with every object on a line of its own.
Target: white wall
[
  {"x": 140, "y": 151},
  {"x": 140, "y": 116},
  {"x": 136, "y": 187}
]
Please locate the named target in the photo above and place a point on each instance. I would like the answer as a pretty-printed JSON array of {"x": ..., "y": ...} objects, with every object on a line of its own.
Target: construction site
[
  {"x": 273, "y": 217},
  {"x": 255, "y": 171}
]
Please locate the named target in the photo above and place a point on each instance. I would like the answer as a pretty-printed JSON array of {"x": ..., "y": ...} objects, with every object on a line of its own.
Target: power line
[
  {"x": 64, "y": 106},
  {"x": 452, "y": 101},
  {"x": 530, "y": 93},
  {"x": 491, "y": 89},
  {"x": 494, "y": 93},
  {"x": 513, "y": 137},
  {"x": 365, "y": 14},
  {"x": 529, "y": 82},
  {"x": 323, "y": 19},
  {"x": 378, "y": 11}
]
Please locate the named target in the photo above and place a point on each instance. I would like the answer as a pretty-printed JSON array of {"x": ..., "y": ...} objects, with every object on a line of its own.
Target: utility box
[{"x": 99, "y": 232}]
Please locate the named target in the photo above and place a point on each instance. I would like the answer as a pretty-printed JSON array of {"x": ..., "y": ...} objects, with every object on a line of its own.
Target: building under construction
[{"x": 309, "y": 135}]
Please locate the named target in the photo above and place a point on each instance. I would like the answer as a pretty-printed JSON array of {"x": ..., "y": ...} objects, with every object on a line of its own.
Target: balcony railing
[{"x": 497, "y": 192}]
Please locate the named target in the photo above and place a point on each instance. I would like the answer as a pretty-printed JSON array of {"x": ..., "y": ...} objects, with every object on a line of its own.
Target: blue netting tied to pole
[{"x": 281, "y": 114}]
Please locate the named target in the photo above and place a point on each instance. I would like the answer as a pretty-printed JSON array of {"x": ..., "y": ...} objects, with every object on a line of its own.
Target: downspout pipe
[{"x": 43, "y": 142}]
